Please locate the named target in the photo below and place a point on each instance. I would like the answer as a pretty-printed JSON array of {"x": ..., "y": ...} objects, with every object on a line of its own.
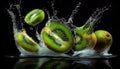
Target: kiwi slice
[
  {"x": 26, "y": 42},
  {"x": 82, "y": 38},
  {"x": 57, "y": 37},
  {"x": 35, "y": 17}
]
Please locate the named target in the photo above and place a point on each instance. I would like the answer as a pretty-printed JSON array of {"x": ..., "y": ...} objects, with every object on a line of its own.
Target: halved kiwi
[
  {"x": 82, "y": 38},
  {"x": 26, "y": 42},
  {"x": 35, "y": 17},
  {"x": 57, "y": 37}
]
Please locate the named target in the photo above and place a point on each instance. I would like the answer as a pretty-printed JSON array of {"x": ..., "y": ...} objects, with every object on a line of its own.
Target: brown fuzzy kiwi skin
[{"x": 104, "y": 40}]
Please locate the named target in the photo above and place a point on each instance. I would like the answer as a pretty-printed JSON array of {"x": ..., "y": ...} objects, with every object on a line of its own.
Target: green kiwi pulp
[
  {"x": 35, "y": 17},
  {"x": 26, "y": 42},
  {"x": 82, "y": 38},
  {"x": 57, "y": 37}
]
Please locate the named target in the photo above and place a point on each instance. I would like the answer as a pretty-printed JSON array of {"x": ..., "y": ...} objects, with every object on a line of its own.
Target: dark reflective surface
[
  {"x": 109, "y": 22},
  {"x": 59, "y": 63}
]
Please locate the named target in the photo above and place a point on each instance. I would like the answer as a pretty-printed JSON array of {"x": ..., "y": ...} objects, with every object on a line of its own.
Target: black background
[{"x": 109, "y": 21}]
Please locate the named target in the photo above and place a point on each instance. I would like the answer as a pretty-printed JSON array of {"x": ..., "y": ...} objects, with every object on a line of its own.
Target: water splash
[
  {"x": 18, "y": 26},
  {"x": 92, "y": 20},
  {"x": 70, "y": 20}
]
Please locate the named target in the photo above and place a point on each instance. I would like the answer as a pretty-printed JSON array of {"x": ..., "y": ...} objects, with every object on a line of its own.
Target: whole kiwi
[{"x": 104, "y": 41}]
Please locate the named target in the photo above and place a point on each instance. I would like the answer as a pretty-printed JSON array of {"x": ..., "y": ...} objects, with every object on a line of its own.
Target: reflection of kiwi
[
  {"x": 80, "y": 66},
  {"x": 57, "y": 37},
  {"x": 56, "y": 64},
  {"x": 100, "y": 64},
  {"x": 27, "y": 64},
  {"x": 26, "y": 42}
]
